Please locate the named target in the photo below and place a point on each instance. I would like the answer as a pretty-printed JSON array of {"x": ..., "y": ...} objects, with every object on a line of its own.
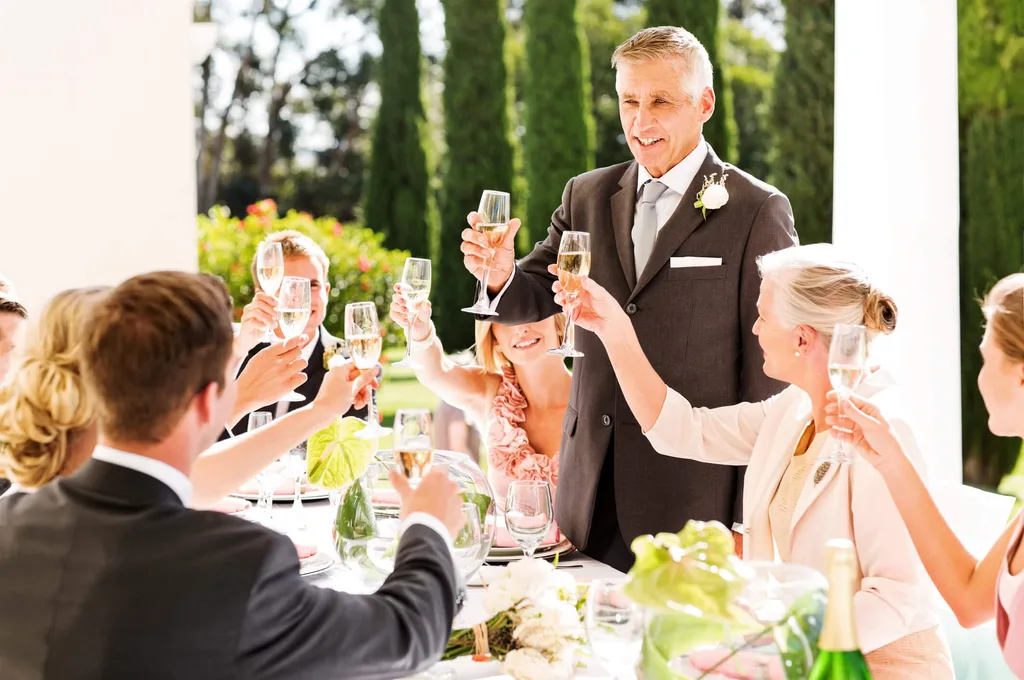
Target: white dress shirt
[
  {"x": 306, "y": 353},
  {"x": 677, "y": 180},
  {"x": 172, "y": 477}
]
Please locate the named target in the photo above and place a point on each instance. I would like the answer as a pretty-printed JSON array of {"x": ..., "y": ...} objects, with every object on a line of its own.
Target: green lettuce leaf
[{"x": 335, "y": 458}]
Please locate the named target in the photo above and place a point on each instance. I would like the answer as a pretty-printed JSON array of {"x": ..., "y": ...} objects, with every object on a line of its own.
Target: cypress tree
[
  {"x": 701, "y": 17},
  {"x": 477, "y": 98},
  {"x": 802, "y": 115},
  {"x": 559, "y": 139},
  {"x": 397, "y": 194}
]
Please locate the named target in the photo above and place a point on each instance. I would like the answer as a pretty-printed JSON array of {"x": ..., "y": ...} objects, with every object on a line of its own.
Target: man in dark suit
[
  {"x": 686, "y": 276},
  {"x": 107, "y": 574},
  {"x": 303, "y": 257}
]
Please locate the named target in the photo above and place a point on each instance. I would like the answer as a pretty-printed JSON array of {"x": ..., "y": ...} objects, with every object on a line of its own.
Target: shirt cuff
[{"x": 497, "y": 298}]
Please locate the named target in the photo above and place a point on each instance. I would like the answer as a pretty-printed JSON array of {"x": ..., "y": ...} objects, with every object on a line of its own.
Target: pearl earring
[{"x": 797, "y": 353}]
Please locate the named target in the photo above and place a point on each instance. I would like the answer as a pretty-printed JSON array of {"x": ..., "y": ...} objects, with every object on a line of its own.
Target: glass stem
[
  {"x": 570, "y": 328},
  {"x": 483, "y": 283},
  {"x": 371, "y": 417},
  {"x": 297, "y": 503}
]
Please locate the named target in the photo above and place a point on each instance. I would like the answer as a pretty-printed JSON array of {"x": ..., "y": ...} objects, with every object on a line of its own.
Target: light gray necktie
[{"x": 645, "y": 229}]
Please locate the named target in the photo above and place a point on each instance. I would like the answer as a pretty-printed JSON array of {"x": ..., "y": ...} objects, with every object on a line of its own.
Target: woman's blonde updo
[
  {"x": 44, "y": 406},
  {"x": 815, "y": 286},
  {"x": 1004, "y": 312}
]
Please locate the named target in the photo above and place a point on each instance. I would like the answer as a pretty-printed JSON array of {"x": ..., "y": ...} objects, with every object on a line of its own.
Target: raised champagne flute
[
  {"x": 573, "y": 265},
  {"x": 270, "y": 273},
  {"x": 528, "y": 514},
  {"x": 414, "y": 443},
  {"x": 294, "y": 305},
  {"x": 847, "y": 363},
  {"x": 362, "y": 335},
  {"x": 493, "y": 224},
  {"x": 416, "y": 277}
]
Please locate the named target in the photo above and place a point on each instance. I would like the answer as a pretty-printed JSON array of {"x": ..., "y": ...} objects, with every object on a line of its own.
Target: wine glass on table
[
  {"x": 615, "y": 627},
  {"x": 270, "y": 273},
  {"x": 847, "y": 364},
  {"x": 528, "y": 514},
  {"x": 493, "y": 224},
  {"x": 294, "y": 306},
  {"x": 362, "y": 334},
  {"x": 258, "y": 419},
  {"x": 414, "y": 445},
  {"x": 416, "y": 277},
  {"x": 573, "y": 265}
]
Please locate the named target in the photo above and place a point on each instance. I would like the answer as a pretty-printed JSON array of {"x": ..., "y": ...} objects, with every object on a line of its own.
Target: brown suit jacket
[{"x": 695, "y": 325}]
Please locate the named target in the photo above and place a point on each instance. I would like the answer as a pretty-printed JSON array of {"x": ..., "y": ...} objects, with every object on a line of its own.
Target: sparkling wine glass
[
  {"x": 468, "y": 545},
  {"x": 573, "y": 265},
  {"x": 362, "y": 334},
  {"x": 494, "y": 217},
  {"x": 270, "y": 273},
  {"x": 294, "y": 306},
  {"x": 847, "y": 363},
  {"x": 615, "y": 627},
  {"x": 258, "y": 419},
  {"x": 416, "y": 277},
  {"x": 414, "y": 444},
  {"x": 296, "y": 465},
  {"x": 528, "y": 514}
]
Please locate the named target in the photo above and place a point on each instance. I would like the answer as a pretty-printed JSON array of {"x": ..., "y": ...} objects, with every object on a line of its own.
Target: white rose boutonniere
[{"x": 713, "y": 195}]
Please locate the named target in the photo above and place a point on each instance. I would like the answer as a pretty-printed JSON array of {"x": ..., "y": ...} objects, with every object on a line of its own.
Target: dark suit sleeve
[
  {"x": 772, "y": 230},
  {"x": 398, "y": 631},
  {"x": 529, "y": 297}
]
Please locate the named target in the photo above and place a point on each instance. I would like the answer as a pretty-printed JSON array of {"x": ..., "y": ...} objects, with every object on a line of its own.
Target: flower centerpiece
[{"x": 534, "y": 624}]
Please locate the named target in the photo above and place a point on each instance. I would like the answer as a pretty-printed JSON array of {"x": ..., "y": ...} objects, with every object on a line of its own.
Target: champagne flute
[
  {"x": 528, "y": 514},
  {"x": 468, "y": 545},
  {"x": 573, "y": 265},
  {"x": 258, "y": 419},
  {"x": 296, "y": 465},
  {"x": 270, "y": 273},
  {"x": 416, "y": 277},
  {"x": 847, "y": 361},
  {"x": 494, "y": 216},
  {"x": 615, "y": 627},
  {"x": 362, "y": 334},
  {"x": 294, "y": 306},
  {"x": 414, "y": 445}
]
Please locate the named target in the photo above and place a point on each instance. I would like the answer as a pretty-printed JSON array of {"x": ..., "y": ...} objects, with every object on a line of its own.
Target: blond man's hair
[
  {"x": 492, "y": 359},
  {"x": 670, "y": 43},
  {"x": 46, "y": 406},
  {"x": 295, "y": 244},
  {"x": 153, "y": 344},
  {"x": 1004, "y": 313}
]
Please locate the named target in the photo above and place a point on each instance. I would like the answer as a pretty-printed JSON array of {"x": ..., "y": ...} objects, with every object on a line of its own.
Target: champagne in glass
[
  {"x": 573, "y": 266},
  {"x": 840, "y": 657},
  {"x": 847, "y": 362},
  {"x": 414, "y": 443},
  {"x": 294, "y": 305},
  {"x": 493, "y": 224},
  {"x": 270, "y": 272},
  {"x": 362, "y": 334},
  {"x": 416, "y": 277},
  {"x": 528, "y": 514}
]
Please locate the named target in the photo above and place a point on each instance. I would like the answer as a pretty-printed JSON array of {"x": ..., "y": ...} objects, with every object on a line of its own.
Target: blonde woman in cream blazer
[{"x": 793, "y": 504}]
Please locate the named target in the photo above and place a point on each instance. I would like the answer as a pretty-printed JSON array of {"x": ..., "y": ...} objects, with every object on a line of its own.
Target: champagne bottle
[{"x": 839, "y": 657}]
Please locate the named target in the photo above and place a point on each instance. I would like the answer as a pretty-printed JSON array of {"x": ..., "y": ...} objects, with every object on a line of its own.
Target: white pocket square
[{"x": 677, "y": 262}]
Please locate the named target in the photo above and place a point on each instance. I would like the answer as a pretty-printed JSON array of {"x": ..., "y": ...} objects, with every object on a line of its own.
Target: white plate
[
  {"x": 315, "y": 564},
  {"x": 314, "y": 495}
]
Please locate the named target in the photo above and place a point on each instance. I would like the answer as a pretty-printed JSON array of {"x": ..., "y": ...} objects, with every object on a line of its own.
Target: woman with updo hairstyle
[
  {"x": 976, "y": 590},
  {"x": 794, "y": 499}
]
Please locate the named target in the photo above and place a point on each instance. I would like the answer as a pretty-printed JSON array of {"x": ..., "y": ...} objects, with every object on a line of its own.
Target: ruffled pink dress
[{"x": 509, "y": 454}]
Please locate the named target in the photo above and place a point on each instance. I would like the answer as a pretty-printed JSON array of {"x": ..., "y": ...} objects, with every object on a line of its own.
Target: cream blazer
[{"x": 850, "y": 501}]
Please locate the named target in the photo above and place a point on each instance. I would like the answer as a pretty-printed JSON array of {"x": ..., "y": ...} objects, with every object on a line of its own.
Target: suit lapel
[
  {"x": 623, "y": 212},
  {"x": 795, "y": 424},
  {"x": 810, "y": 494},
  {"x": 684, "y": 221}
]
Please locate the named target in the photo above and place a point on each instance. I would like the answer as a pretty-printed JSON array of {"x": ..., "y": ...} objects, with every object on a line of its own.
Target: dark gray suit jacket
[
  {"x": 695, "y": 325},
  {"x": 104, "y": 575}
]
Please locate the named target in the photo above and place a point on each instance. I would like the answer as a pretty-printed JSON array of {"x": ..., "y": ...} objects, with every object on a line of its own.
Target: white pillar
[
  {"x": 897, "y": 195},
  {"x": 97, "y": 172}
]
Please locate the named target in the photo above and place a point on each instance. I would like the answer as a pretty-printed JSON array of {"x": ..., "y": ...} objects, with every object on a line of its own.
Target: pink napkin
[
  {"x": 306, "y": 551},
  {"x": 746, "y": 665},
  {"x": 502, "y": 539},
  {"x": 231, "y": 505},
  {"x": 386, "y": 497}
]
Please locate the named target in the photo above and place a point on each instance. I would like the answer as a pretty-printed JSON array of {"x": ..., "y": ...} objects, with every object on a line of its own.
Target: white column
[
  {"x": 897, "y": 195},
  {"x": 97, "y": 172}
]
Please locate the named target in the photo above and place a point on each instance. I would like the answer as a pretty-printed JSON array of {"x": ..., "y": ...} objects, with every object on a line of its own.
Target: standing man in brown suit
[{"x": 686, "y": 275}]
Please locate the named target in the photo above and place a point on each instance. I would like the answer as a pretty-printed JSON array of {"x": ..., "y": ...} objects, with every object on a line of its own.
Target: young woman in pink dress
[
  {"x": 517, "y": 393},
  {"x": 970, "y": 587}
]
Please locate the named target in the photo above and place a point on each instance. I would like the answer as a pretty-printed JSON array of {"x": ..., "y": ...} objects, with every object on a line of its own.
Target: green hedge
[{"x": 361, "y": 268}]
